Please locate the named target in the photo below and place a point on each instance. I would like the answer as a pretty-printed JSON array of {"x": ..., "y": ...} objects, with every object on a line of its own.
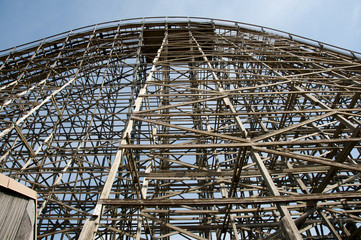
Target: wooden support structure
[{"x": 184, "y": 128}]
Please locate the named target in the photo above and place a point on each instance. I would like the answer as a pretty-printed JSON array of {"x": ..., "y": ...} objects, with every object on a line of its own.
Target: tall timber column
[{"x": 91, "y": 224}]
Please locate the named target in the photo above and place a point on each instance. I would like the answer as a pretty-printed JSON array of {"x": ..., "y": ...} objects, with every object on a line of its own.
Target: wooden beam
[
  {"x": 236, "y": 201},
  {"x": 318, "y": 160},
  {"x": 211, "y": 134},
  {"x": 237, "y": 145},
  {"x": 178, "y": 229}
]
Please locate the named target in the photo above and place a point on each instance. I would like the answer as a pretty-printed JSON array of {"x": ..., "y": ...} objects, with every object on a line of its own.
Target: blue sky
[{"x": 332, "y": 21}]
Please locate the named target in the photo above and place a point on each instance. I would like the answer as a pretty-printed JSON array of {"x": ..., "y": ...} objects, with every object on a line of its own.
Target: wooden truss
[{"x": 184, "y": 128}]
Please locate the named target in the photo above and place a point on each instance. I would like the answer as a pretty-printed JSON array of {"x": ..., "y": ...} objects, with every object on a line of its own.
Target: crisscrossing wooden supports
[{"x": 184, "y": 128}]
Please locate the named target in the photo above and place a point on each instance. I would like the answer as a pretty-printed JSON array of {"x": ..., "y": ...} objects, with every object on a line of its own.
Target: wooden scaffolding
[{"x": 184, "y": 128}]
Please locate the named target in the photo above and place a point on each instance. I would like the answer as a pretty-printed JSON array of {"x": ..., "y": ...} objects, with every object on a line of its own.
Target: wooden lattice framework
[{"x": 184, "y": 128}]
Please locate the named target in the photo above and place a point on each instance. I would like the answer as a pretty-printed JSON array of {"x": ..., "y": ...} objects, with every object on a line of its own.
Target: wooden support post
[{"x": 91, "y": 224}]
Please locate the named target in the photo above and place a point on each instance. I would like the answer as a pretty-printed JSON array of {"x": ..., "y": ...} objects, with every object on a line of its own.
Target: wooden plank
[
  {"x": 318, "y": 160},
  {"x": 289, "y": 128},
  {"x": 237, "y": 145},
  {"x": 244, "y": 173},
  {"x": 178, "y": 229},
  {"x": 206, "y": 133},
  {"x": 180, "y": 104},
  {"x": 23, "y": 139},
  {"x": 225, "y": 201},
  {"x": 329, "y": 225},
  {"x": 324, "y": 106}
]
